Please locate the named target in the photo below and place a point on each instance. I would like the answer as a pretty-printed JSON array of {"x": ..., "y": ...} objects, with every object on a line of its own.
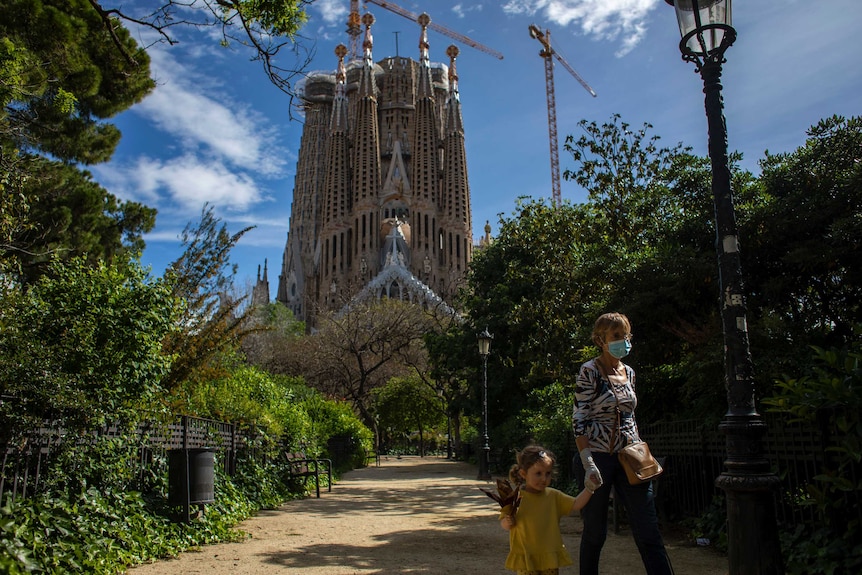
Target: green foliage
[
  {"x": 807, "y": 549},
  {"x": 69, "y": 73},
  {"x": 328, "y": 419},
  {"x": 712, "y": 524},
  {"x": 61, "y": 77},
  {"x": 88, "y": 516},
  {"x": 527, "y": 288},
  {"x": 829, "y": 394},
  {"x": 277, "y": 17},
  {"x": 803, "y": 237},
  {"x": 83, "y": 345},
  {"x": 103, "y": 530},
  {"x": 407, "y": 405},
  {"x": 68, "y": 215},
  {"x": 245, "y": 395},
  {"x": 549, "y": 423},
  {"x": 203, "y": 278}
]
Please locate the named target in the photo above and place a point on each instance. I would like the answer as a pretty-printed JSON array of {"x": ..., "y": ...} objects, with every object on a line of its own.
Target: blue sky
[{"x": 215, "y": 130}]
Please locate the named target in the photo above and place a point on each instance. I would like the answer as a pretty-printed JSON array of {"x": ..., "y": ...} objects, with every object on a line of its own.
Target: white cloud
[
  {"x": 602, "y": 19},
  {"x": 188, "y": 181},
  {"x": 192, "y": 182},
  {"x": 183, "y": 106},
  {"x": 461, "y": 11},
  {"x": 332, "y": 11}
]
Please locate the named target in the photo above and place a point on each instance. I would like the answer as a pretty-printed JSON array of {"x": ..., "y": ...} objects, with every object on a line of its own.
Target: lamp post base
[{"x": 485, "y": 463}]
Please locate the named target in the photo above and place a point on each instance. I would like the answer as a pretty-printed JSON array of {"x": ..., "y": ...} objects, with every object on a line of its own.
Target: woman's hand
[
  {"x": 507, "y": 522},
  {"x": 593, "y": 477}
]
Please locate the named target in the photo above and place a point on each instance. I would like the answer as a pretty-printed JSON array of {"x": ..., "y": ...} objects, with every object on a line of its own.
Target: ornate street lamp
[
  {"x": 484, "y": 340},
  {"x": 752, "y": 535}
]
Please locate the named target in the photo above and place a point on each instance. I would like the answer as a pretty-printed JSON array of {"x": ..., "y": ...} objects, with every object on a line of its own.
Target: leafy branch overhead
[{"x": 267, "y": 27}]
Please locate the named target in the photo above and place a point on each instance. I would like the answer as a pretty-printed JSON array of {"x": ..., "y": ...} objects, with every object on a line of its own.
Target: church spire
[
  {"x": 336, "y": 202},
  {"x": 339, "y": 105},
  {"x": 455, "y": 196},
  {"x": 454, "y": 120},
  {"x": 366, "y": 80},
  {"x": 424, "y": 89}
]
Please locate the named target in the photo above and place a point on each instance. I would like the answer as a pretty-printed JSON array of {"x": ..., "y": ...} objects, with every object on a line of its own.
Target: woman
[{"x": 605, "y": 387}]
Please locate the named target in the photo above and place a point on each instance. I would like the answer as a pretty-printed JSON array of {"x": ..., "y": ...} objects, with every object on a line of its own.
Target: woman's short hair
[{"x": 609, "y": 322}]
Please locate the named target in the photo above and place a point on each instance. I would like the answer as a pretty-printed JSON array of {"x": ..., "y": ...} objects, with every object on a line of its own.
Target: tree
[
  {"x": 642, "y": 244},
  {"x": 279, "y": 328},
  {"x": 361, "y": 349},
  {"x": 827, "y": 394},
  {"x": 83, "y": 346},
  {"x": 407, "y": 405},
  {"x": 62, "y": 77},
  {"x": 69, "y": 216},
  {"x": 449, "y": 369},
  {"x": 66, "y": 67},
  {"x": 527, "y": 288},
  {"x": 803, "y": 239},
  {"x": 68, "y": 72},
  {"x": 202, "y": 278},
  {"x": 648, "y": 235}
]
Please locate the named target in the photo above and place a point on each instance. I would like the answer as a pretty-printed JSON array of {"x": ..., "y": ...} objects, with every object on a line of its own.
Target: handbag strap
[{"x": 616, "y": 432}]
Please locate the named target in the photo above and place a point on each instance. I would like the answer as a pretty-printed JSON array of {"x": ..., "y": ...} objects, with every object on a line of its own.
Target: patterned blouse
[{"x": 595, "y": 412}]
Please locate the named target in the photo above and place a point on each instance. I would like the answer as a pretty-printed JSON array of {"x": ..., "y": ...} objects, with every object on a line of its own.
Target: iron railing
[
  {"x": 25, "y": 460},
  {"x": 695, "y": 454}
]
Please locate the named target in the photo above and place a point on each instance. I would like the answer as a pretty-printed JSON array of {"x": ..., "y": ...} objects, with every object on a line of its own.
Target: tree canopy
[
  {"x": 644, "y": 244},
  {"x": 83, "y": 346},
  {"x": 66, "y": 68}
]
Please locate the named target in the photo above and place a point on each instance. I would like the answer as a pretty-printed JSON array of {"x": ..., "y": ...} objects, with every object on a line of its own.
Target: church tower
[{"x": 381, "y": 199}]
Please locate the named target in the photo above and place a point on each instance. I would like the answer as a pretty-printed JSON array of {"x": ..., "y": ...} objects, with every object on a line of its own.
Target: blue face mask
[{"x": 620, "y": 348}]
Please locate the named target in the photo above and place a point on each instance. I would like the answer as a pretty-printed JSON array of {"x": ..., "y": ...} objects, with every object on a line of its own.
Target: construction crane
[
  {"x": 547, "y": 54},
  {"x": 353, "y": 29}
]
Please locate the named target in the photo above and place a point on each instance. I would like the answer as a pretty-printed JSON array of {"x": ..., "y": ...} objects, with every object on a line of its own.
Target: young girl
[{"x": 535, "y": 543}]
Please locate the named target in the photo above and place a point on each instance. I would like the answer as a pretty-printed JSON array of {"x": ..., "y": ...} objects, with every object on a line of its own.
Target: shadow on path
[{"x": 410, "y": 515}]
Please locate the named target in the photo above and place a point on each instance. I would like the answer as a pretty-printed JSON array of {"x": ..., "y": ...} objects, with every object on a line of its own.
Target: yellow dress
[{"x": 535, "y": 542}]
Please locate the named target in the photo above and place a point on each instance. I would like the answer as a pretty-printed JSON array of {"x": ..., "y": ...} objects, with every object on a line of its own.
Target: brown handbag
[{"x": 639, "y": 464}]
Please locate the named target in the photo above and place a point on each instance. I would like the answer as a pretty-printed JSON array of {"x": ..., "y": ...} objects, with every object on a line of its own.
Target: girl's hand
[{"x": 507, "y": 522}]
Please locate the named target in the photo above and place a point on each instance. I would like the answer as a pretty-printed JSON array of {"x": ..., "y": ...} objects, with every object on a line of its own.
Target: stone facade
[{"x": 382, "y": 161}]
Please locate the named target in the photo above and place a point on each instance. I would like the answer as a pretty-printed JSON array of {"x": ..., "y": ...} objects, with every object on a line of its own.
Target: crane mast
[
  {"x": 354, "y": 29},
  {"x": 547, "y": 53},
  {"x": 436, "y": 27}
]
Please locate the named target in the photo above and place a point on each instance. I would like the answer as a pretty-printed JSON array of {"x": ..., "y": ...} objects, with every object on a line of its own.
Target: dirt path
[{"x": 410, "y": 515}]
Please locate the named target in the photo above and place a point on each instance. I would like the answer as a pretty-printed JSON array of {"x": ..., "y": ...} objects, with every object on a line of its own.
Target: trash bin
[{"x": 191, "y": 476}]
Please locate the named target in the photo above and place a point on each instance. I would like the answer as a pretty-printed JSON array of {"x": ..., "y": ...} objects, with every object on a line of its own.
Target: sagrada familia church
[{"x": 381, "y": 200}]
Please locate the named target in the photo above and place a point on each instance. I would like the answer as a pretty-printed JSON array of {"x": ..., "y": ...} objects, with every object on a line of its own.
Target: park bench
[
  {"x": 372, "y": 455},
  {"x": 299, "y": 466}
]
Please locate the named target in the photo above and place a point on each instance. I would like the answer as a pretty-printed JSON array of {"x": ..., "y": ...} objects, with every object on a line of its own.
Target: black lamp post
[
  {"x": 752, "y": 534},
  {"x": 484, "y": 339}
]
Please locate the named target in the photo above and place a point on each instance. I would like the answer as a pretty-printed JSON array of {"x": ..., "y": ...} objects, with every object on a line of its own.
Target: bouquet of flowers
[{"x": 507, "y": 496}]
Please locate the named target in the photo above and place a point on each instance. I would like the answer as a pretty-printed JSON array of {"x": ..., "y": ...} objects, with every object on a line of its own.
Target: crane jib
[{"x": 436, "y": 27}]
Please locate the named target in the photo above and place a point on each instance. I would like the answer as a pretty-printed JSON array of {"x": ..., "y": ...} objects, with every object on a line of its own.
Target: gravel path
[{"x": 410, "y": 515}]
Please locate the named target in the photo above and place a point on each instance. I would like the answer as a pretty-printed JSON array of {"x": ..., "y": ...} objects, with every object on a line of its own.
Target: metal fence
[
  {"x": 25, "y": 461},
  {"x": 694, "y": 457},
  {"x": 695, "y": 454}
]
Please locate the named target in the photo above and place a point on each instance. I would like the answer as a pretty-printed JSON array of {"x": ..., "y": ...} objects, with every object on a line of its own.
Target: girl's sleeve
[
  {"x": 585, "y": 391},
  {"x": 565, "y": 503}
]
